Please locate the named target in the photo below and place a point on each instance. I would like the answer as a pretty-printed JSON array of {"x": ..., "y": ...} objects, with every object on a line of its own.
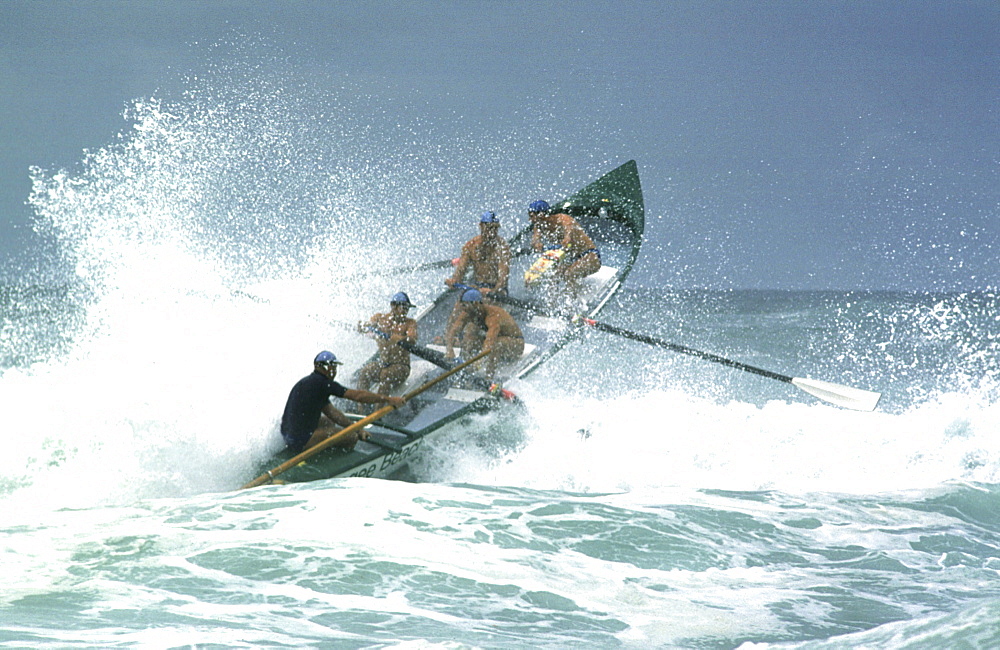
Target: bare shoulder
[{"x": 496, "y": 312}]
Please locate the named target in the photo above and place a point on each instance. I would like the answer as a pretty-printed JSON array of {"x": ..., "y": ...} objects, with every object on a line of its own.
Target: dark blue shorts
[{"x": 296, "y": 441}]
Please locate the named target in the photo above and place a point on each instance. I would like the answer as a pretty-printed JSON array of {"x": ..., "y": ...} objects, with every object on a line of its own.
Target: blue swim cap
[
  {"x": 488, "y": 217},
  {"x": 327, "y": 358},
  {"x": 538, "y": 206},
  {"x": 401, "y": 299},
  {"x": 472, "y": 295}
]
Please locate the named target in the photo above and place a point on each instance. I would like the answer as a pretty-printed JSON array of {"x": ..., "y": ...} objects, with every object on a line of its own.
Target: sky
[{"x": 781, "y": 145}]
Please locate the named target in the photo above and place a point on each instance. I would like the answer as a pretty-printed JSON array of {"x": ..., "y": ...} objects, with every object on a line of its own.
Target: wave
[{"x": 385, "y": 561}]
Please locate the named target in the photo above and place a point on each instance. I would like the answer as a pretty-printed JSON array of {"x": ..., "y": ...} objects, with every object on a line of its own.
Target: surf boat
[{"x": 611, "y": 211}]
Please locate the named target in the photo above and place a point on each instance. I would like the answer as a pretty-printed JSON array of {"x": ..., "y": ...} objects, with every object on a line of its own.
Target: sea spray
[
  {"x": 645, "y": 500},
  {"x": 662, "y": 439},
  {"x": 203, "y": 256}
]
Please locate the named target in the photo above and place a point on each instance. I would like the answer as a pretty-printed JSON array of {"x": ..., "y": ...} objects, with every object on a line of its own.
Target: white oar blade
[{"x": 844, "y": 396}]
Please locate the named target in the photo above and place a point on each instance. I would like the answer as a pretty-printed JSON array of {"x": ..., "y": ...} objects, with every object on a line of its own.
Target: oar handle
[
  {"x": 269, "y": 475},
  {"x": 376, "y": 331}
]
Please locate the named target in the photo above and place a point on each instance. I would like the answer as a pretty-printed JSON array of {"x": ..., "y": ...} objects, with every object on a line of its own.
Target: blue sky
[{"x": 814, "y": 145}]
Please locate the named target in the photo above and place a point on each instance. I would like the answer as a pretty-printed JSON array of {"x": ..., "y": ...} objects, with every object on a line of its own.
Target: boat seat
[
  {"x": 592, "y": 284},
  {"x": 421, "y": 371},
  {"x": 591, "y": 288}
]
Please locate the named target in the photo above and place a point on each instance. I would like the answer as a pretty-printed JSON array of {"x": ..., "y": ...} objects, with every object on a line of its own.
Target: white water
[{"x": 202, "y": 290}]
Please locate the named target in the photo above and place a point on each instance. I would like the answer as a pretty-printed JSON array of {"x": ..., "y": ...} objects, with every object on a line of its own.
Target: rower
[
  {"x": 576, "y": 254},
  {"x": 484, "y": 327},
  {"x": 488, "y": 255},
  {"x": 390, "y": 369},
  {"x": 309, "y": 417}
]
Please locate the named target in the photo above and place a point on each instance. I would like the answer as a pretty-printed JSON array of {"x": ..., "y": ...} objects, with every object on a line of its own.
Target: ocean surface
[{"x": 644, "y": 499}]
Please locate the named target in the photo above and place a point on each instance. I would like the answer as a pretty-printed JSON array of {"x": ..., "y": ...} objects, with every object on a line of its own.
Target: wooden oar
[
  {"x": 269, "y": 475},
  {"x": 843, "y": 396}
]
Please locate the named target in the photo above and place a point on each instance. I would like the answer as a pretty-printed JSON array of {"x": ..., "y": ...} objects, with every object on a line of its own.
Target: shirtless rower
[
  {"x": 484, "y": 327},
  {"x": 392, "y": 366},
  {"x": 488, "y": 255},
  {"x": 553, "y": 229}
]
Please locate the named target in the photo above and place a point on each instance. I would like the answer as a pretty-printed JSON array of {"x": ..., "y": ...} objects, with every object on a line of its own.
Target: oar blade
[{"x": 844, "y": 396}]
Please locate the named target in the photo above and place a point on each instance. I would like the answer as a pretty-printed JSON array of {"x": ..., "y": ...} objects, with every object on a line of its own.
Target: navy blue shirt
[{"x": 304, "y": 406}]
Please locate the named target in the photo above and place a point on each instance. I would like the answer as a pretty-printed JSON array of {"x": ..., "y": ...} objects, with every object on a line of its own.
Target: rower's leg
[
  {"x": 368, "y": 375},
  {"x": 505, "y": 350},
  {"x": 392, "y": 377},
  {"x": 326, "y": 431}
]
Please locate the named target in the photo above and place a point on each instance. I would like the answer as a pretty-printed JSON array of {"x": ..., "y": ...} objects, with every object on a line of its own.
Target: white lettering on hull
[{"x": 386, "y": 464}]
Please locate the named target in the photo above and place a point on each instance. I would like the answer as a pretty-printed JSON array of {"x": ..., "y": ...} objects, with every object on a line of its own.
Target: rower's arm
[
  {"x": 336, "y": 415},
  {"x": 503, "y": 267},
  {"x": 368, "y": 397},
  {"x": 576, "y": 237},
  {"x": 492, "y": 332},
  {"x": 536, "y": 240},
  {"x": 373, "y": 327},
  {"x": 569, "y": 226},
  {"x": 449, "y": 335},
  {"x": 464, "y": 258}
]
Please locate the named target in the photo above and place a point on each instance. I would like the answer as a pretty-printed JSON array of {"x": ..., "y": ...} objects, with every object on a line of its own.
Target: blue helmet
[
  {"x": 326, "y": 358},
  {"x": 489, "y": 217},
  {"x": 401, "y": 299},
  {"x": 472, "y": 295},
  {"x": 538, "y": 206}
]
